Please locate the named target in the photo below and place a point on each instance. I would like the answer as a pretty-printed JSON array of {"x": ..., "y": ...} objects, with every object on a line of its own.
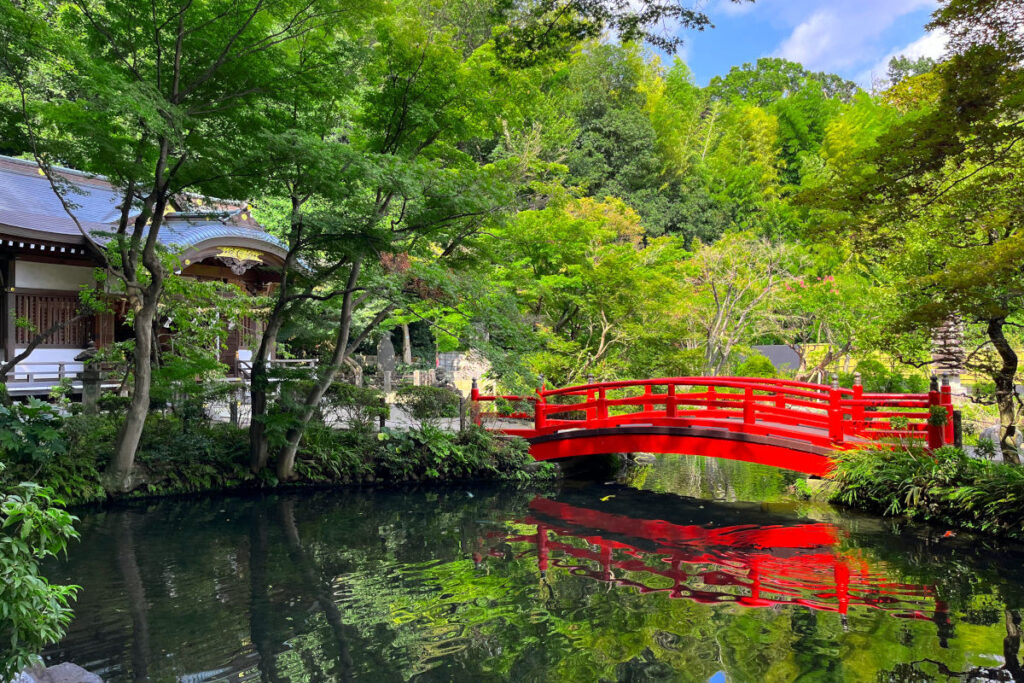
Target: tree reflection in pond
[{"x": 589, "y": 583}]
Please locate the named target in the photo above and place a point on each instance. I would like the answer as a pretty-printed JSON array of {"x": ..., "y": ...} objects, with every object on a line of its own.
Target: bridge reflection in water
[{"x": 745, "y": 564}]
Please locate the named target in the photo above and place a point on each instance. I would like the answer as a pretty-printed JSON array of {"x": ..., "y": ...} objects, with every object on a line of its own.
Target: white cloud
[
  {"x": 840, "y": 35},
  {"x": 813, "y": 40},
  {"x": 731, "y": 9},
  {"x": 931, "y": 44}
]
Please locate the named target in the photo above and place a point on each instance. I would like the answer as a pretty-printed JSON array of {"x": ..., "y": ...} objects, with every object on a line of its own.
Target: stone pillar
[
  {"x": 90, "y": 376},
  {"x": 386, "y": 354},
  {"x": 948, "y": 354}
]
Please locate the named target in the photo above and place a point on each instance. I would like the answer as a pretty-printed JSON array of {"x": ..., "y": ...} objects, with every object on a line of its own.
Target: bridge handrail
[
  {"x": 843, "y": 413},
  {"x": 727, "y": 381}
]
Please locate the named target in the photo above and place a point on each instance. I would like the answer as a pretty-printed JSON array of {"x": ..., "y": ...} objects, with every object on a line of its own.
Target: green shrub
[
  {"x": 360, "y": 408},
  {"x": 113, "y": 403},
  {"x": 945, "y": 485},
  {"x": 986, "y": 448},
  {"x": 874, "y": 376},
  {"x": 331, "y": 455},
  {"x": 756, "y": 365},
  {"x": 877, "y": 378},
  {"x": 428, "y": 405},
  {"x": 30, "y": 433},
  {"x": 177, "y": 455},
  {"x": 33, "y": 612}
]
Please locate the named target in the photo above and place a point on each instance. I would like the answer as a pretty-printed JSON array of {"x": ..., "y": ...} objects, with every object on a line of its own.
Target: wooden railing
[
  {"x": 828, "y": 416},
  {"x": 245, "y": 366},
  {"x": 53, "y": 371}
]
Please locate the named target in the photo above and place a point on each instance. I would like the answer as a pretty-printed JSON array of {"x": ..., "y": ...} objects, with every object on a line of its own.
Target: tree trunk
[
  {"x": 1011, "y": 645},
  {"x": 406, "y": 345},
  {"x": 342, "y": 349},
  {"x": 259, "y": 449},
  {"x": 259, "y": 385},
  {"x": 1005, "y": 381},
  {"x": 118, "y": 477},
  {"x": 286, "y": 462}
]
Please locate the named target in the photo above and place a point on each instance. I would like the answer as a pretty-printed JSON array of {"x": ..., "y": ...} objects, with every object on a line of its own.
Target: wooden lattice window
[{"x": 46, "y": 310}]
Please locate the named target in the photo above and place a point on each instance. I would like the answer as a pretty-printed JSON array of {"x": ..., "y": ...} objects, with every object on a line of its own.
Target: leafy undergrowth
[
  {"x": 179, "y": 456},
  {"x": 945, "y": 486},
  {"x": 426, "y": 454}
]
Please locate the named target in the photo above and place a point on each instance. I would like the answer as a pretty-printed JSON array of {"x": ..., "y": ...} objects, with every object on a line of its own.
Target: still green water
[{"x": 685, "y": 570}]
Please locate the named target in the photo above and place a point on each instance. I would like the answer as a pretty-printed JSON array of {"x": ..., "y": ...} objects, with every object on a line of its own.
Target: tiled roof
[
  {"x": 29, "y": 208},
  {"x": 23, "y": 190},
  {"x": 59, "y": 226}
]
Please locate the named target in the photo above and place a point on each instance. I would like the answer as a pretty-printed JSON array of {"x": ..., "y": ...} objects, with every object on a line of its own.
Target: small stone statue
[{"x": 441, "y": 379}]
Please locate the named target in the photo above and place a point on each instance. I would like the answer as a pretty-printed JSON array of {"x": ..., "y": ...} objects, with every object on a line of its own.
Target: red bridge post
[
  {"x": 949, "y": 435},
  {"x": 474, "y": 405},
  {"x": 858, "y": 395},
  {"x": 712, "y": 403},
  {"x": 539, "y": 418},
  {"x": 935, "y": 431},
  {"x": 591, "y": 395},
  {"x": 670, "y": 401},
  {"x": 835, "y": 411},
  {"x": 602, "y": 407},
  {"x": 748, "y": 406}
]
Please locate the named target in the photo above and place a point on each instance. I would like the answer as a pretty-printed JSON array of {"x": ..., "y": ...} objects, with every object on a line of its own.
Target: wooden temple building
[{"x": 45, "y": 261}]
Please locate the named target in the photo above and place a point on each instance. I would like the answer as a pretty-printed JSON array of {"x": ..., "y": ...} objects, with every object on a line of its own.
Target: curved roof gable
[{"x": 29, "y": 209}]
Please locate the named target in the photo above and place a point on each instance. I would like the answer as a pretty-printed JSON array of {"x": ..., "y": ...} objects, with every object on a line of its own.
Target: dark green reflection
[{"x": 595, "y": 582}]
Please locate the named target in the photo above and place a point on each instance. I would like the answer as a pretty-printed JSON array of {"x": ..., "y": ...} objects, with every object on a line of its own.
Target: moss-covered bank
[{"x": 945, "y": 486}]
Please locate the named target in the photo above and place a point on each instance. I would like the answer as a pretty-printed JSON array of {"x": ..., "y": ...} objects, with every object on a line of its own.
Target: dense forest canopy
[{"x": 533, "y": 182}]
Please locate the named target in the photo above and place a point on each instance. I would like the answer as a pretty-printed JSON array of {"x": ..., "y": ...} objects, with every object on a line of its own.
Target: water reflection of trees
[{"x": 445, "y": 585}]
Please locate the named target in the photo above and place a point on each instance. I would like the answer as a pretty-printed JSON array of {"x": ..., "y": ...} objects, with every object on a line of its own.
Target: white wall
[
  {"x": 50, "y": 357},
  {"x": 31, "y": 275}
]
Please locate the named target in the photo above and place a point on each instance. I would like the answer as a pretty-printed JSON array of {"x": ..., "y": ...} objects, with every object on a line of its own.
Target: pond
[{"x": 686, "y": 569}]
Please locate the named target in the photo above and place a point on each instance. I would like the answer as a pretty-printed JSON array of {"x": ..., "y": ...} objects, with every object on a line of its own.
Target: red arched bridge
[{"x": 783, "y": 423}]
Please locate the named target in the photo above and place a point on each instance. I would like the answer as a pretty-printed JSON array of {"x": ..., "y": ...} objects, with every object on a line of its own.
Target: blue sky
[{"x": 853, "y": 38}]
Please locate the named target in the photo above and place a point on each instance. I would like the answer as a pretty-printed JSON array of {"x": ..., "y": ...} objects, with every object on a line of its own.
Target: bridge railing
[{"x": 828, "y": 416}]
